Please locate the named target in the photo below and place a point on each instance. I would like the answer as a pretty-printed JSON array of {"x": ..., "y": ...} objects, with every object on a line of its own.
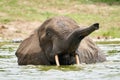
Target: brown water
[{"x": 109, "y": 70}]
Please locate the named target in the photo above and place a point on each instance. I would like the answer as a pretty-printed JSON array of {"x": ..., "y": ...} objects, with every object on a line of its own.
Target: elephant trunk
[{"x": 76, "y": 36}]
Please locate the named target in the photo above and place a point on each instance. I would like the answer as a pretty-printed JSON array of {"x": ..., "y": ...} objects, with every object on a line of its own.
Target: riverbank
[
  {"x": 19, "y": 30},
  {"x": 18, "y": 18},
  {"x": 107, "y": 41}
]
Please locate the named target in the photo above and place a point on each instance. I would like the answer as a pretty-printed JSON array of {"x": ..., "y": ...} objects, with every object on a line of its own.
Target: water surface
[{"x": 109, "y": 70}]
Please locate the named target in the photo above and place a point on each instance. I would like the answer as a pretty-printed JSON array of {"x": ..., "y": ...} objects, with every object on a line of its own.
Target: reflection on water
[{"x": 109, "y": 70}]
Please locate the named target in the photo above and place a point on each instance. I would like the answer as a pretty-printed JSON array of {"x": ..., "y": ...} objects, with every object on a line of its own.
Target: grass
[
  {"x": 113, "y": 52},
  {"x": 85, "y": 12},
  {"x": 108, "y": 42}
]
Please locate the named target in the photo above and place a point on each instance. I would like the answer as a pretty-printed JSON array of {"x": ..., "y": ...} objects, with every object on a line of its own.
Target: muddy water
[{"x": 109, "y": 70}]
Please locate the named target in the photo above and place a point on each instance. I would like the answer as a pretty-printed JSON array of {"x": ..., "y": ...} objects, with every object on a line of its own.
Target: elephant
[{"x": 60, "y": 41}]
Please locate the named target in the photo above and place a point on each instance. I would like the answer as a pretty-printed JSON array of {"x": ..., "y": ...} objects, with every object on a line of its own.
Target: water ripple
[{"x": 109, "y": 70}]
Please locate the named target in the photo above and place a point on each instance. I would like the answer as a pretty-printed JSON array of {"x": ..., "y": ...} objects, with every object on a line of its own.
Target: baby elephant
[{"x": 60, "y": 41}]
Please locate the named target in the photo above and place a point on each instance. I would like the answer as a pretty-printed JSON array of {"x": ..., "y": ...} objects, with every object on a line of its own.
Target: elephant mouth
[{"x": 58, "y": 62}]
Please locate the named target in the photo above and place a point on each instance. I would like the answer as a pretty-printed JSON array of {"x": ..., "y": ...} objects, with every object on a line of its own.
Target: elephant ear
[
  {"x": 28, "y": 49},
  {"x": 89, "y": 52}
]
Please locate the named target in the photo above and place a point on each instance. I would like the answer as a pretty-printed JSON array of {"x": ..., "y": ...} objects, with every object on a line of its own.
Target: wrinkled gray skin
[{"x": 61, "y": 36}]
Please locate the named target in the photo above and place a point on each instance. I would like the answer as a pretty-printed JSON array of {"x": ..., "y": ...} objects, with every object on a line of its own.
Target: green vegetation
[
  {"x": 62, "y": 68},
  {"x": 3, "y": 43},
  {"x": 110, "y": 2},
  {"x": 112, "y": 52},
  {"x": 7, "y": 48},
  {"x": 5, "y": 56},
  {"x": 108, "y": 42},
  {"x": 85, "y": 12}
]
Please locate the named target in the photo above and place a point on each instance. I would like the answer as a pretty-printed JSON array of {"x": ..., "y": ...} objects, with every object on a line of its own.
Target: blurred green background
[{"x": 85, "y": 12}]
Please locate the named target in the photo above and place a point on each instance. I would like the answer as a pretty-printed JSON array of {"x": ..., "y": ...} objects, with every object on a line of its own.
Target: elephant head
[
  {"x": 54, "y": 42},
  {"x": 60, "y": 37}
]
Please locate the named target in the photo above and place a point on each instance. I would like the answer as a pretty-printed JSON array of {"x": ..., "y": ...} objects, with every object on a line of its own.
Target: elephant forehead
[{"x": 64, "y": 26}]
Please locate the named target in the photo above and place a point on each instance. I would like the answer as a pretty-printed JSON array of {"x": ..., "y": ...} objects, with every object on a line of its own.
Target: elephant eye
[{"x": 48, "y": 33}]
